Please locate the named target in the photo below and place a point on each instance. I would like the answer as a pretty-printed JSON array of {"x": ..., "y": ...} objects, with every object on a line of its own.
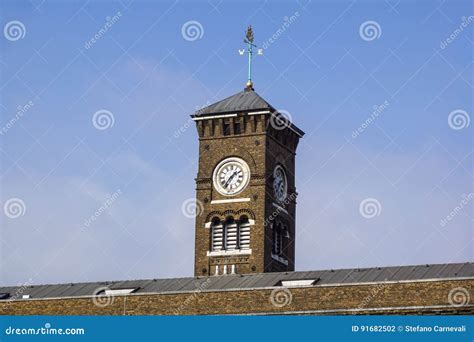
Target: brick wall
[
  {"x": 427, "y": 297},
  {"x": 262, "y": 148}
]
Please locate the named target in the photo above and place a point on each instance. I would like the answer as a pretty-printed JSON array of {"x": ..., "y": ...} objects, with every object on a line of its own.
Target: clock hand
[
  {"x": 278, "y": 184},
  {"x": 230, "y": 178}
]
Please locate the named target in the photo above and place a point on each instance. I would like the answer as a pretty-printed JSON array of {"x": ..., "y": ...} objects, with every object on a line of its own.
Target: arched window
[
  {"x": 230, "y": 234},
  {"x": 244, "y": 233},
  {"x": 279, "y": 233},
  {"x": 217, "y": 235}
]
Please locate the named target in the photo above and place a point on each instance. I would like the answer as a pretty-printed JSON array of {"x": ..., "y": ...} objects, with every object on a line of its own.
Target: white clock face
[
  {"x": 231, "y": 176},
  {"x": 280, "y": 184}
]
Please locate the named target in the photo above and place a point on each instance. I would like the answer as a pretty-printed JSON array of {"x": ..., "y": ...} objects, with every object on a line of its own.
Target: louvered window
[
  {"x": 244, "y": 234},
  {"x": 217, "y": 236},
  {"x": 279, "y": 233},
  {"x": 232, "y": 238},
  {"x": 277, "y": 242},
  {"x": 230, "y": 235}
]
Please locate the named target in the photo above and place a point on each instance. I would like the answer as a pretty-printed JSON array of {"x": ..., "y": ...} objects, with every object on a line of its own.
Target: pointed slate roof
[
  {"x": 245, "y": 101},
  {"x": 242, "y": 101}
]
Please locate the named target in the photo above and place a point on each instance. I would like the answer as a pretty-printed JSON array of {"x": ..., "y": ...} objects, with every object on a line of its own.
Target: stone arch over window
[{"x": 222, "y": 215}]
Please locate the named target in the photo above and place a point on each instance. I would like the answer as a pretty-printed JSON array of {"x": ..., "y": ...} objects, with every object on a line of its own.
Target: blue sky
[{"x": 414, "y": 158}]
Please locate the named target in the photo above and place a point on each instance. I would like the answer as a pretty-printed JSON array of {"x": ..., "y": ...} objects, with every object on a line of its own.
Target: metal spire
[{"x": 249, "y": 41}]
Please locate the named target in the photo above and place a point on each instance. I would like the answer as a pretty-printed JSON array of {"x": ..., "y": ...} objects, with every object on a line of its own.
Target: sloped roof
[
  {"x": 249, "y": 281},
  {"x": 243, "y": 101}
]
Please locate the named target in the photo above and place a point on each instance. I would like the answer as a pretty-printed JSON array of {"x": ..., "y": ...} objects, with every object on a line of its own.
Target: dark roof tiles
[
  {"x": 250, "y": 281},
  {"x": 242, "y": 101}
]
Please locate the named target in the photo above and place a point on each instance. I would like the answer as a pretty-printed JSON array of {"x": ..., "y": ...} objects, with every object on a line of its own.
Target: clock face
[
  {"x": 231, "y": 176},
  {"x": 280, "y": 184}
]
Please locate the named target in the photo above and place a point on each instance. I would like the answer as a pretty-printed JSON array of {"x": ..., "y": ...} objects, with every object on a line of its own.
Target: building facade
[{"x": 424, "y": 289}]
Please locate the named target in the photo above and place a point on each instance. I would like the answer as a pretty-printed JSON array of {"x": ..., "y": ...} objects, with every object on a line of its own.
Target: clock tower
[{"x": 245, "y": 187}]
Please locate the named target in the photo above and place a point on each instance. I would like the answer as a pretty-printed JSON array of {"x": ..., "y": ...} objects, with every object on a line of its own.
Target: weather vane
[{"x": 250, "y": 45}]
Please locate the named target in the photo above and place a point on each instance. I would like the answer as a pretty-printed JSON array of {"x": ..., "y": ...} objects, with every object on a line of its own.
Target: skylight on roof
[
  {"x": 117, "y": 292},
  {"x": 297, "y": 283}
]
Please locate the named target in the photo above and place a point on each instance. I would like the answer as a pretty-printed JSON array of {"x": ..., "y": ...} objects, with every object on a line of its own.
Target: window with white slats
[
  {"x": 230, "y": 235},
  {"x": 232, "y": 238},
  {"x": 244, "y": 233},
  {"x": 217, "y": 236}
]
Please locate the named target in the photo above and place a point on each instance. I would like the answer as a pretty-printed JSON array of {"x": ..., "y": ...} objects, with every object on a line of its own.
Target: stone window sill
[
  {"x": 230, "y": 253},
  {"x": 280, "y": 259}
]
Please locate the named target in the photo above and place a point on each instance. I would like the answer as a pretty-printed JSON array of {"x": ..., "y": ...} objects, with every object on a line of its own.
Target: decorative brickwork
[
  {"x": 423, "y": 297},
  {"x": 262, "y": 146}
]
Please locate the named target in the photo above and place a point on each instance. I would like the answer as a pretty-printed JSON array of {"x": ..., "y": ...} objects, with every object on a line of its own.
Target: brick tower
[{"x": 246, "y": 187}]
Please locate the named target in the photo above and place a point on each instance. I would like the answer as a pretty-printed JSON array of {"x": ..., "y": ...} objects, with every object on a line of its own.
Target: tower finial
[{"x": 249, "y": 41}]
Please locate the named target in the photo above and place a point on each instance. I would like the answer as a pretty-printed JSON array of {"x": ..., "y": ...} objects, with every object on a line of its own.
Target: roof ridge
[
  {"x": 240, "y": 101},
  {"x": 110, "y": 282}
]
